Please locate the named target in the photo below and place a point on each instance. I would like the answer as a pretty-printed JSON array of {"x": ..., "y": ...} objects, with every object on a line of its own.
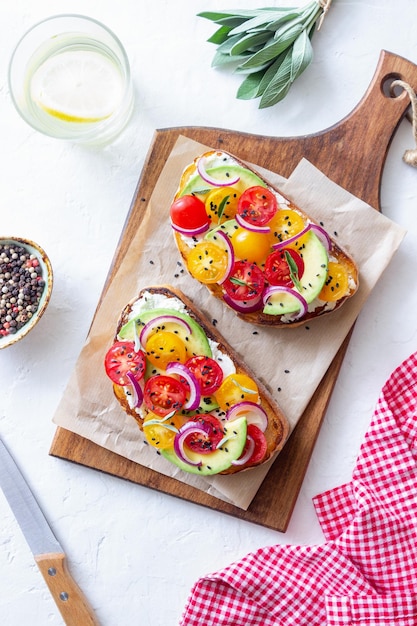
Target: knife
[{"x": 48, "y": 554}]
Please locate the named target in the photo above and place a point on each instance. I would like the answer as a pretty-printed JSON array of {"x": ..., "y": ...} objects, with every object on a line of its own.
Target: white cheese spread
[{"x": 150, "y": 301}]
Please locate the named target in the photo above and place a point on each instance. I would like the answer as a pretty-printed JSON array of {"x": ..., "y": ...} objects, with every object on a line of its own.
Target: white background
[{"x": 136, "y": 552}]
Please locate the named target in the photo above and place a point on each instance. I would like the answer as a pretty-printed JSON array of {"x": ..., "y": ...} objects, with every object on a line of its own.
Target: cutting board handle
[{"x": 362, "y": 139}]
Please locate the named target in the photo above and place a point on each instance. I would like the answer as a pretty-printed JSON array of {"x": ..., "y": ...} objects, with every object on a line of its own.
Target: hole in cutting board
[{"x": 386, "y": 86}]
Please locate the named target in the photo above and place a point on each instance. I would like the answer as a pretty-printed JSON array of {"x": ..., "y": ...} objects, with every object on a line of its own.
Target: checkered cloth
[{"x": 366, "y": 570}]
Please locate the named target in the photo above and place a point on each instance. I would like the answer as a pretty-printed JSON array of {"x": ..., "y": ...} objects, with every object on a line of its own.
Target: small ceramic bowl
[{"x": 43, "y": 268}]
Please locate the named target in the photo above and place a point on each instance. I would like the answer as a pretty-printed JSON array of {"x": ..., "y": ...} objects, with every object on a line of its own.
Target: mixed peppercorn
[{"x": 21, "y": 287}]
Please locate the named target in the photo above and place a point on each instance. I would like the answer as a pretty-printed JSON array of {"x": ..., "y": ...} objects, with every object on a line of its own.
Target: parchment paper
[{"x": 291, "y": 362}]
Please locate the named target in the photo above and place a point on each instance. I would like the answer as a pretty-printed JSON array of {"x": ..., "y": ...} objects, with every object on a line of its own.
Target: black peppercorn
[{"x": 21, "y": 287}]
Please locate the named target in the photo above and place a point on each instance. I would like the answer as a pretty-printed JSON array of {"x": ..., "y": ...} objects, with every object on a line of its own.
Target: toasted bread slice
[
  {"x": 164, "y": 300},
  {"x": 329, "y": 275}
]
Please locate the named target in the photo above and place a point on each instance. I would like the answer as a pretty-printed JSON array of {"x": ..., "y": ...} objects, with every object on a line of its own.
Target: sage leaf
[
  {"x": 249, "y": 88},
  {"x": 293, "y": 268},
  {"x": 222, "y": 206},
  {"x": 220, "y": 35},
  {"x": 247, "y": 43},
  {"x": 279, "y": 85},
  {"x": 273, "y": 50},
  {"x": 284, "y": 18},
  {"x": 260, "y": 20},
  {"x": 270, "y": 73},
  {"x": 227, "y": 45},
  {"x": 302, "y": 55},
  {"x": 221, "y": 59},
  {"x": 271, "y": 46}
]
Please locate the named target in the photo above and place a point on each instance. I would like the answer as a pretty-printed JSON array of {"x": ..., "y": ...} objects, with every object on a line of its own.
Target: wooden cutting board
[{"x": 352, "y": 153}]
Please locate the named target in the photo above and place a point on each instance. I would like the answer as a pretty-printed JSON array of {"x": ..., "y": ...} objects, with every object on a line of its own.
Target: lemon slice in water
[{"x": 80, "y": 86}]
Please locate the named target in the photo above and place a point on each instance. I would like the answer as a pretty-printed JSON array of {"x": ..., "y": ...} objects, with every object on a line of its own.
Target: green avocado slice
[
  {"x": 196, "y": 185},
  {"x": 228, "y": 228},
  {"x": 196, "y": 342},
  {"x": 207, "y": 405},
  {"x": 315, "y": 259},
  {"x": 217, "y": 461}
]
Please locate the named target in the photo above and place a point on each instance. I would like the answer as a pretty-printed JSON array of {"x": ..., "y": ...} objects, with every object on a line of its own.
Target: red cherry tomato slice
[
  {"x": 163, "y": 394},
  {"x": 257, "y": 205},
  {"x": 277, "y": 269},
  {"x": 205, "y": 443},
  {"x": 207, "y": 371},
  {"x": 261, "y": 444},
  {"x": 122, "y": 359},
  {"x": 189, "y": 212},
  {"x": 245, "y": 282}
]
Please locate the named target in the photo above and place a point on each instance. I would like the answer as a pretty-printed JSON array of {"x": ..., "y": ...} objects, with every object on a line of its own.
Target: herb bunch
[{"x": 272, "y": 46}]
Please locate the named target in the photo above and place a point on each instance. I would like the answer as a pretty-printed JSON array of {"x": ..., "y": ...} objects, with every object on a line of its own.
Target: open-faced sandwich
[
  {"x": 187, "y": 389},
  {"x": 253, "y": 248}
]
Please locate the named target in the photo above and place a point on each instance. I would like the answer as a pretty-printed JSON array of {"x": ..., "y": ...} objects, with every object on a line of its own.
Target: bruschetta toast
[
  {"x": 191, "y": 395},
  {"x": 253, "y": 248}
]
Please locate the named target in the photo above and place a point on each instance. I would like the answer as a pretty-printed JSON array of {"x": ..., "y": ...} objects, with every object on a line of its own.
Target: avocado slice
[
  {"x": 315, "y": 259},
  {"x": 196, "y": 342},
  {"x": 207, "y": 405},
  {"x": 228, "y": 227},
  {"x": 196, "y": 185},
  {"x": 217, "y": 461}
]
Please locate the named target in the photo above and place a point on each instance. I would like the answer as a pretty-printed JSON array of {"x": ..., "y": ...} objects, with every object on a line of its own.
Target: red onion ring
[
  {"x": 287, "y": 242},
  {"x": 210, "y": 179},
  {"x": 183, "y": 433},
  {"x": 247, "y": 455},
  {"x": 254, "y": 414},
  {"x": 252, "y": 227},
  {"x": 194, "y": 398},
  {"x": 243, "y": 307},
  {"x": 137, "y": 397},
  {"x": 322, "y": 235},
  {"x": 270, "y": 291},
  {"x": 191, "y": 232},
  {"x": 159, "y": 321},
  {"x": 230, "y": 254}
]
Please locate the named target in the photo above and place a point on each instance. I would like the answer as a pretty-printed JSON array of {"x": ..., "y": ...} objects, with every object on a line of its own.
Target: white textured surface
[{"x": 135, "y": 552}]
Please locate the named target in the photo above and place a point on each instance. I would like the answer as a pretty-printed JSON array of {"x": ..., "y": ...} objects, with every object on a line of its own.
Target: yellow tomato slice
[
  {"x": 221, "y": 204},
  {"x": 286, "y": 223},
  {"x": 251, "y": 246},
  {"x": 207, "y": 262},
  {"x": 337, "y": 283},
  {"x": 164, "y": 347},
  {"x": 236, "y": 388},
  {"x": 160, "y": 432}
]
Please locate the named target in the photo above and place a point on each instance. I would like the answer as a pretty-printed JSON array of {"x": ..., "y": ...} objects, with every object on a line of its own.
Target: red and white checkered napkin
[{"x": 366, "y": 571}]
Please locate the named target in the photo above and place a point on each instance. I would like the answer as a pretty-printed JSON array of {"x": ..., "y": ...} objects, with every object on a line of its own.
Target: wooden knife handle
[{"x": 68, "y": 597}]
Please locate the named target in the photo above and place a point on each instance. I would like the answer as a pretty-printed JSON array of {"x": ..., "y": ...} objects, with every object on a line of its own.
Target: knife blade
[{"x": 48, "y": 554}]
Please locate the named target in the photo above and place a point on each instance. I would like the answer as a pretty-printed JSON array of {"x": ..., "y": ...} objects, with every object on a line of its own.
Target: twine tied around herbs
[
  {"x": 325, "y": 5},
  {"x": 409, "y": 156}
]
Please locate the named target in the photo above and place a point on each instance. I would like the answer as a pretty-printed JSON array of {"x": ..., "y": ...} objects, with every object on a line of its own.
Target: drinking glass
[{"x": 69, "y": 78}]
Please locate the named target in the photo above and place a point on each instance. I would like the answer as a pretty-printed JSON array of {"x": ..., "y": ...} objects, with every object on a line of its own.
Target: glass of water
[{"x": 69, "y": 78}]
